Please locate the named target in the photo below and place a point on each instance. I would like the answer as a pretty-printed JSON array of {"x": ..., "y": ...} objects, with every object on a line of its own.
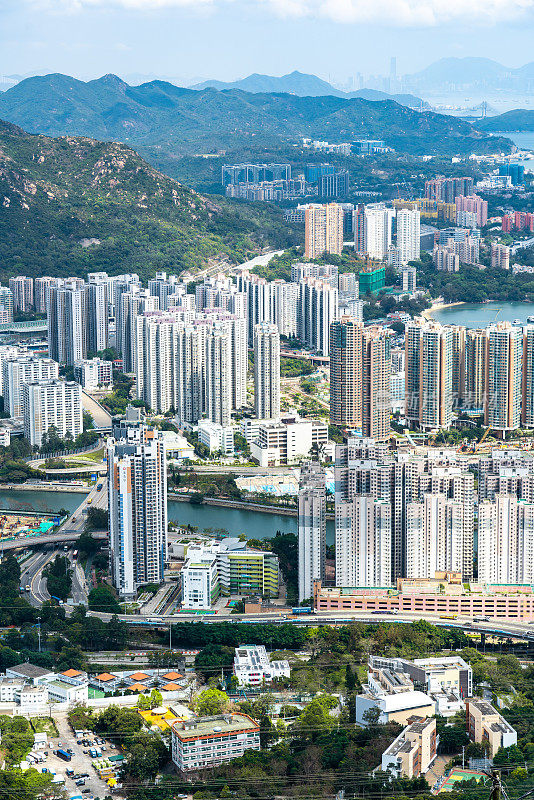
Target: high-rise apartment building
[
  {"x": 346, "y": 373},
  {"x": 267, "y": 371},
  {"x": 504, "y": 364},
  {"x": 408, "y": 234},
  {"x": 132, "y": 304},
  {"x": 312, "y": 528},
  {"x": 51, "y": 403},
  {"x": 363, "y": 542},
  {"x": 527, "y": 411},
  {"x": 377, "y": 230},
  {"x": 163, "y": 287},
  {"x": 6, "y": 305},
  {"x": 475, "y": 205},
  {"x": 448, "y": 189},
  {"x": 40, "y": 292},
  {"x": 500, "y": 256},
  {"x": 475, "y": 368},
  {"x": 376, "y": 383},
  {"x": 409, "y": 279},
  {"x": 22, "y": 290},
  {"x": 358, "y": 226},
  {"x": 97, "y": 311},
  {"x": 323, "y": 229},
  {"x": 446, "y": 259},
  {"x": 506, "y": 541},
  {"x": 137, "y": 495},
  {"x": 317, "y": 309},
  {"x": 67, "y": 321},
  {"x": 20, "y": 370},
  {"x": 197, "y": 368},
  {"x": 435, "y": 531},
  {"x": 429, "y": 358}
]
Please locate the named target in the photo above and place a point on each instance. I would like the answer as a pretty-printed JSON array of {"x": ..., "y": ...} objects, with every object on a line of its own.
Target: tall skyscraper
[
  {"x": 408, "y": 234},
  {"x": 162, "y": 287},
  {"x": 435, "y": 531},
  {"x": 96, "y": 304},
  {"x": 22, "y": 290},
  {"x": 51, "y": 403},
  {"x": 20, "y": 370},
  {"x": 133, "y": 303},
  {"x": 376, "y": 383},
  {"x": 377, "y": 224},
  {"x": 527, "y": 414},
  {"x": 317, "y": 309},
  {"x": 504, "y": 364},
  {"x": 267, "y": 371},
  {"x": 6, "y": 305},
  {"x": 312, "y": 528},
  {"x": 358, "y": 226},
  {"x": 363, "y": 542},
  {"x": 506, "y": 541},
  {"x": 137, "y": 495},
  {"x": 475, "y": 368},
  {"x": 428, "y": 374},
  {"x": 346, "y": 373},
  {"x": 67, "y": 322},
  {"x": 323, "y": 229},
  {"x": 40, "y": 292}
]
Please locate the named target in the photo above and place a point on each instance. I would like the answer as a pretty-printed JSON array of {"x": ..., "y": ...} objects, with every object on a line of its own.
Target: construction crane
[{"x": 476, "y": 447}]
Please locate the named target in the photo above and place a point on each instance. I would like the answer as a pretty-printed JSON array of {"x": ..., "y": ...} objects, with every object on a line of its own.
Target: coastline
[
  {"x": 245, "y": 505},
  {"x": 428, "y": 312}
]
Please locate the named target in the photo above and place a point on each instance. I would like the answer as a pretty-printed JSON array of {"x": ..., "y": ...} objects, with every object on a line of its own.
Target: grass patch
[{"x": 44, "y": 725}]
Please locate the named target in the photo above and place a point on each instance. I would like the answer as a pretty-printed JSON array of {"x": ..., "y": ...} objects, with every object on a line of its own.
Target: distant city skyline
[{"x": 187, "y": 41}]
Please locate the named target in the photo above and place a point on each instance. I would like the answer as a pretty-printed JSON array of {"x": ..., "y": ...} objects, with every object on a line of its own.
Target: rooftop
[
  {"x": 212, "y": 726},
  {"x": 72, "y": 673},
  {"x": 30, "y": 670},
  {"x": 105, "y": 676}
]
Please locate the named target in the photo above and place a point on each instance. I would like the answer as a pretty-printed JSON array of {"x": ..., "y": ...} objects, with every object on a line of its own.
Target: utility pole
[
  {"x": 496, "y": 790},
  {"x": 463, "y": 756},
  {"x": 39, "y": 632}
]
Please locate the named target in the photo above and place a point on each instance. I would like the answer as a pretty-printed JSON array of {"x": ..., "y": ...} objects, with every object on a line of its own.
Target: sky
[{"x": 190, "y": 40}]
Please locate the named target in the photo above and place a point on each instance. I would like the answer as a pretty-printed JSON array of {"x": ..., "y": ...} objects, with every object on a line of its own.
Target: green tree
[
  {"x": 210, "y": 702},
  {"x": 101, "y": 598}
]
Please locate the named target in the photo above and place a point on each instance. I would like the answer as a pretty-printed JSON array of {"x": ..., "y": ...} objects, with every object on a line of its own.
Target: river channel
[{"x": 253, "y": 524}]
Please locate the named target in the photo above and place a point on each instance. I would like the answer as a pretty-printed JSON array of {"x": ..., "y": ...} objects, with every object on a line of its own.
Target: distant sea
[{"x": 525, "y": 141}]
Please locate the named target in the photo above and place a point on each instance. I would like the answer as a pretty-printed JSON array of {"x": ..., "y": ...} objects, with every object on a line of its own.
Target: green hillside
[
  {"x": 177, "y": 121},
  {"x": 74, "y": 205},
  {"x": 518, "y": 120}
]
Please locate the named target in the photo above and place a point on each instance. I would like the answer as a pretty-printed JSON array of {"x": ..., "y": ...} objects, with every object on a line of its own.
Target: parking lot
[{"x": 80, "y": 762}]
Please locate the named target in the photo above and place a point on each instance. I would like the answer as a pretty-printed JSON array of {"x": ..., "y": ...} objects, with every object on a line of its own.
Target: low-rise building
[
  {"x": 288, "y": 440},
  {"x": 30, "y": 673},
  {"x": 217, "y": 438},
  {"x": 398, "y": 707},
  {"x": 204, "y": 742},
  {"x": 228, "y": 567},
  {"x": 413, "y": 751},
  {"x": 94, "y": 373},
  {"x": 60, "y": 691},
  {"x": 253, "y": 667},
  {"x": 486, "y": 726}
]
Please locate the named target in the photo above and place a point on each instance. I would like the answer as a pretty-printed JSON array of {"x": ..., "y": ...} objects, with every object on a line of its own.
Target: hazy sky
[{"x": 228, "y": 39}]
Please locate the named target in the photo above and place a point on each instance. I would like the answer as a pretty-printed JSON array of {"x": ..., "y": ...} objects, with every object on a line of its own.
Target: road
[
  {"x": 32, "y": 576},
  {"x": 101, "y": 418}
]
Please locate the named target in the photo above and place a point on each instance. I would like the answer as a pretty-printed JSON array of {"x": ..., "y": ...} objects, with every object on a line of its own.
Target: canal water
[{"x": 253, "y": 524}]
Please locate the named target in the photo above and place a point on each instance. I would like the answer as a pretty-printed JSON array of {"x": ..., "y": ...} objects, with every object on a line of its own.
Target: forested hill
[
  {"x": 177, "y": 121},
  {"x": 74, "y": 205},
  {"x": 521, "y": 119}
]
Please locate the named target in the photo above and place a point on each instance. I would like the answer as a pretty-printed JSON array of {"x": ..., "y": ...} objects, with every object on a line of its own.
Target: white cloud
[{"x": 395, "y": 13}]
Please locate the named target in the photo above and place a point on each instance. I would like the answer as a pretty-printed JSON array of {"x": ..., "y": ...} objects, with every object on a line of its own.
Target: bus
[
  {"x": 448, "y": 616},
  {"x": 63, "y": 754}
]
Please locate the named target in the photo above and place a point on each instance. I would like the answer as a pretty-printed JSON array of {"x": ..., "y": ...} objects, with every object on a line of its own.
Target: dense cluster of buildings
[
  {"x": 409, "y": 521},
  {"x": 276, "y": 182}
]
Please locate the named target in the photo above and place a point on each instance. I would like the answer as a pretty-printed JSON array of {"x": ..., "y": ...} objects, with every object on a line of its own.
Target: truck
[{"x": 60, "y": 753}]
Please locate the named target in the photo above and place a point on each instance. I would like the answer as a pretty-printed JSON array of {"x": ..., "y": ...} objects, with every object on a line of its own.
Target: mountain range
[
  {"x": 475, "y": 73},
  {"x": 162, "y": 118},
  {"x": 521, "y": 119},
  {"x": 304, "y": 85},
  {"x": 70, "y": 206}
]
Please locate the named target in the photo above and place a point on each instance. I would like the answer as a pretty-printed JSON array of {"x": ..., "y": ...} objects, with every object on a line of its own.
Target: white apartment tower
[
  {"x": 51, "y": 403},
  {"x": 20, "y": 370},
  {"x": 67, "y": 329},
  {"x": 408, "y": 234},
  {"x": 22, "y": 290},
  {"x": 96, "y": 300},
  {"x": 506, "y": 541},
  {"x": 528, "y": 377},
  {"x": 312, "y": 528},
  {"x": 317, "y": 309},
  {"x": 377, "y": 230},
  {"x": 6, "y": 305},
  {"x": 267, "y": 371},
  {"x": 363, "y": 542},
  {"x": 435, "y": 532},
  {"x": 137, "y": 493}
]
